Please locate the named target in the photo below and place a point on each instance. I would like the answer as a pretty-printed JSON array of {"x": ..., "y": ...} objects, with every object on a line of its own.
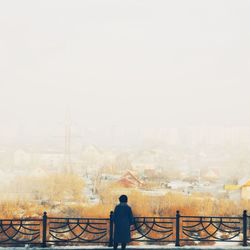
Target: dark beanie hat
[{"x": 123, "y": 198}]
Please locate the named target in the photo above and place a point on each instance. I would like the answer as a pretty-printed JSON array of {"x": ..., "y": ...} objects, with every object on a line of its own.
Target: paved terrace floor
[{"x": 152, "y": 247}]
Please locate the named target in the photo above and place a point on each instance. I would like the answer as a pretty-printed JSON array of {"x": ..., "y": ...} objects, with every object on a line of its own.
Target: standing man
[{"x": 123, "y": 219}]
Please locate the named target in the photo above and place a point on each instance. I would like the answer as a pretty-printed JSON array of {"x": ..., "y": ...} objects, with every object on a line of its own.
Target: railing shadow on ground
[{"x": 179, "y": 230}]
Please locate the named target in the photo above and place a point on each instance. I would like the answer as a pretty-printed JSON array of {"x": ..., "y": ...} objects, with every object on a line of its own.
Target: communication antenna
[{"x": 67, "y": 144}]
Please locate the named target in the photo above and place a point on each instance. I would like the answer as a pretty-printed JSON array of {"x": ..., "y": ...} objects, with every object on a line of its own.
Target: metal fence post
[
  {"x": 177, "y": 229},
  {"x": 244, "y": 228},
  {"x": 44, "y": 229},
  {"x": 111, "y": 225}
]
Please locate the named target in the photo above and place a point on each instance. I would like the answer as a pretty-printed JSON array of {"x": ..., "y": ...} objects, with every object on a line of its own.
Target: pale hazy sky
[{"x": 124, "y": 64}]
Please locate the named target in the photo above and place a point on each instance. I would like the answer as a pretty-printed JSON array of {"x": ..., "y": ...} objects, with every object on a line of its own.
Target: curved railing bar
[
  {"x": 61, "y": 226},
  {"x": 170, "y": 227},
  {"x": 12, "y": 236},
  {"x": 78, "y": 236},
  {"x": 98, "y": 228},
  {"x": 158, "y": 231},
  {"x": 21, "y": 241},
  {"x": 30, "y": 229},
  {"x": 69, "y": 231},
  {"x": 190, "y": 226},
  {"x": 150, "y": 238},
  {"x": 223, "y": 223},
  {"x": 145, "y": 234},
  {"x": 136, "y": 227},
  {"x": 90, "y": 232},
  {"x": 196, "y": 238},
  {"x": 63, "y": 231}
]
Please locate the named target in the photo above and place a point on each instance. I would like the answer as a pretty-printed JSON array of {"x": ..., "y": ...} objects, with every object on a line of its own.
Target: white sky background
[{"x": 127, "y": 64}]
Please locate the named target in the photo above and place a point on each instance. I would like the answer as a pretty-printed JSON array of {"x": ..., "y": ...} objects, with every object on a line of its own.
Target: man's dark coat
[{"x": 123, "y": 218}]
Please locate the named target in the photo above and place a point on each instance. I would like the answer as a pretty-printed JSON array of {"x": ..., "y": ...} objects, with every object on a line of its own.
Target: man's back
[
  {"x": 122, "y": 218},
  {"x": 123, "y": 213}
]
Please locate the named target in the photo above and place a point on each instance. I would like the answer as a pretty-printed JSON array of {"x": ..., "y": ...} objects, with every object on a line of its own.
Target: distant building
[
  {"x": 129, "y": 180},
  {"x": 233, "y": 192},
  {"x": 245, "y": 190},
  {"x": 211, "y": 175},
  {"x": 239, "y": 191},
  {"x": 179, "y": 185},
  {"x": 150, "y": 173}
]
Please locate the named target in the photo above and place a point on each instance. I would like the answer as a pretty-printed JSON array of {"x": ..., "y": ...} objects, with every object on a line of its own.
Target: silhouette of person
[{"x": 123, "y": 219}]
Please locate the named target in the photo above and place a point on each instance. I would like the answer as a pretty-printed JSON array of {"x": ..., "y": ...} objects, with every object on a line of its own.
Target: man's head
[{"x": 123, "y": 198}]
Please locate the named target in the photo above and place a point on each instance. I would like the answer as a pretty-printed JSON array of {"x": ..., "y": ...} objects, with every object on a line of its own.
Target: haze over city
[
  {"x": 148, "y": 98},
  {"x": 132, "y": 64}
]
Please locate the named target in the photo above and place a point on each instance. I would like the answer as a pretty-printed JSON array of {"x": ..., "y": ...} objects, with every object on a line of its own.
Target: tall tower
[{"x": 67, "y": 143}]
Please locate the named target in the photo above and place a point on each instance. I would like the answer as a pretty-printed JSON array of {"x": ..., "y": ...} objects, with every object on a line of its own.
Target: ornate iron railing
[
  {"x": 180, "y": 230},
  {"x": 20, "y": 232},
  {"x": 200, "y": 228},
  {"x": 77, "y": 230},
  {"x": 153, "y": 229}
]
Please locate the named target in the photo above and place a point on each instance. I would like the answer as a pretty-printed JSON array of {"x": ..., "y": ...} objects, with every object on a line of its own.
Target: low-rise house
[
  {"x": 245, "y": 190},
  {"x": 211, "y": 175},
  {"x": 179, "y": 185},
  {"x": 129, "y": 180},
  {"x": 240, "y": 190},
  {"x": 233, "y": 192}
]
